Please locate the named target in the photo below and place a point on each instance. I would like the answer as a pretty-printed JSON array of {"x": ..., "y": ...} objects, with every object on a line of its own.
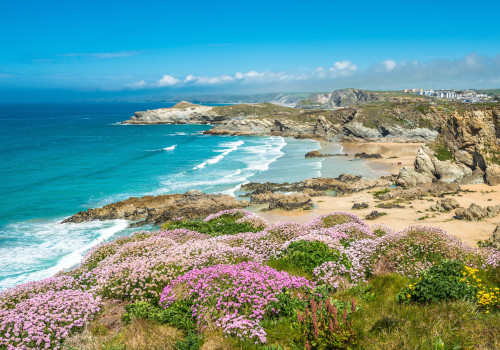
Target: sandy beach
[
  {"x": 394, "y": 155},
  {"x": 416, "y": 212}
]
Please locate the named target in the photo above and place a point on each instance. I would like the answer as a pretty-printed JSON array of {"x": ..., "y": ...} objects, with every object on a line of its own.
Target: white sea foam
[
  {"x": 169, "y": 148},
  {"x": 46, "y": 241},
  {"x": 230, "y": 147}
]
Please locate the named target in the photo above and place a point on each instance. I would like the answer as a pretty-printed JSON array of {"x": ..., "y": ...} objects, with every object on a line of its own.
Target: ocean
[{"x": 58, "y": 159}]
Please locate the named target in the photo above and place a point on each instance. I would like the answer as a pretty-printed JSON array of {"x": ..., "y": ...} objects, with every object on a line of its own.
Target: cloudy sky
[{"x": 66, "y": 50}]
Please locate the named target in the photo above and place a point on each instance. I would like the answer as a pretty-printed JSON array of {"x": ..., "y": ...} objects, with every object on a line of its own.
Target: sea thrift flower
[
  {"x": 235, "y": 297},
  {"x": 44, "y": 320}
]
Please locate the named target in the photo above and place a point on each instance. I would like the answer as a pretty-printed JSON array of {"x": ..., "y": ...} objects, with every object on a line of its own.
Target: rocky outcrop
[
  {"x": 266, "y": 197},
  {"x": 182, "y": 113},
  {"x": 158, "y": 209},
  {"x": 466, "y": 151},
  {"x": 292, "y": 202},
  {"x": 368, "y": 155},
  {"x": 494, "y": 240},
  {"x": 344, "y": 184},
  {"x": 317, "y": 154},
  {"x": 374, "y": 215},
  {"x": 355, "y": 131},
  {"x": 445, "y": 205},
  {"x": 476, "y": 212},
  {"x": 430, "y": 189},
  {"x": 343, "y": 98},
  {"x": 357, "y": 206}
]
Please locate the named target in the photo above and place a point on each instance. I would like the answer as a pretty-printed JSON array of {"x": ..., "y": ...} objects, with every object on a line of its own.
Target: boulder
[
  {"x": 358, "y": 206},
  {"x": 317, "y": 154},
  {"x": 476, "y": 212},
  {"x": 409, "y": 177},
  {"x": 374, "y": 215},
  {"x": 292, "y": 202},
  {"x": 445, "y": 205},
  {"x": 266, "y": 197},
  {"x": 493, "y": 175}
]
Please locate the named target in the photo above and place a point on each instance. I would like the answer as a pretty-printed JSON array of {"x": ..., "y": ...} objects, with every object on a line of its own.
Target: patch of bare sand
[
  {"x": 395, "y": 155},
  {"x": 414, "y": 213}
]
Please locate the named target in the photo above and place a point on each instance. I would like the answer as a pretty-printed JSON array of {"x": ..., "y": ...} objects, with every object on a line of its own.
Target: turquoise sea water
[{"x": 59, "y": 159}]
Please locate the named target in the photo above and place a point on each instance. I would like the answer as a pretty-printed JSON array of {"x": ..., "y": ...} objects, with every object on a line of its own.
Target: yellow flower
[{"x": 408, "y": 295}]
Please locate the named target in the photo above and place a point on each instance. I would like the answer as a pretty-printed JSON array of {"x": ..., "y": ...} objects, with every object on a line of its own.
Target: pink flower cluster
[
  {"x": 42, "y": 321},
  {"x": 239, "y": 213},
  {"x": 335, "y": 218},
  {"x": 235, "y": 297}
]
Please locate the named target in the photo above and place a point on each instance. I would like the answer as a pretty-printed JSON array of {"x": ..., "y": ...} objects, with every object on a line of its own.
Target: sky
[{"x": 112, "y": 50}]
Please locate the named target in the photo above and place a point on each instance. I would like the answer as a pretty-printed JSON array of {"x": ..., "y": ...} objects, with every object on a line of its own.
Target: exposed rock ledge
[
  {"x": 268, "y": 119},
  {"x": 159, "y": 209}
]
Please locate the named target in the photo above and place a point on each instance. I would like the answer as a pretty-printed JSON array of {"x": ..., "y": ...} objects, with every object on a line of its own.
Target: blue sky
[{"x": 139, "y": 49}]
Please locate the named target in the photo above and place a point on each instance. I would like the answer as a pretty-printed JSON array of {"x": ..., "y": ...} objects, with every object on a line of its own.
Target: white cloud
[
  {"x": 167, "y": 80},
  {"x": 342, "y": 65},
  {"x": 389, "y": 64},
  {"x": 469, "y": 71}
]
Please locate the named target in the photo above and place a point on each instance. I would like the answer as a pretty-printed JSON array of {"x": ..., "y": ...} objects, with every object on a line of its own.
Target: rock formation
[
  {"x": 476, "y": 212},
  {"x": 292, "y": 201},
  {"x": 467, "y": 150},
  {"x": 368, "y": 155},
  {"x": 158, "y": 209},
  {"x": 445, "y": 205}
]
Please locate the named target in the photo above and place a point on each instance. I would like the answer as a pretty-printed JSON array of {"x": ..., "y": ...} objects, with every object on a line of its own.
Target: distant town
[{"x": 466, "y": 96}]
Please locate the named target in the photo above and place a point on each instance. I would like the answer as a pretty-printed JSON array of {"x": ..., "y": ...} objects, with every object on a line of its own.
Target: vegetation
[{"x": 333, "y": 283}]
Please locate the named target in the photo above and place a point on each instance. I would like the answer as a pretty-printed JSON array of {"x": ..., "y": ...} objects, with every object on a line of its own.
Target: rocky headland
[{"x": 398, "y": 122}]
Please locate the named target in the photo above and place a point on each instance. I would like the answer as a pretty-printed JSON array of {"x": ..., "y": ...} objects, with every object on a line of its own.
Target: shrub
[
  {"x": 307, "y": 255},
  {"x": 192, "y": 342},
  {"x": 179, "y": 314},
  {"x": 441, "y": 282}
]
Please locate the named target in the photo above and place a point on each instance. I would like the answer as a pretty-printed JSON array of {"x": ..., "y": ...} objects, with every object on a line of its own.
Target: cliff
[
  {"x": 467, "y": 149},
  {"x": 394, "y": 122},
  {"x": 353, "y": 97}
]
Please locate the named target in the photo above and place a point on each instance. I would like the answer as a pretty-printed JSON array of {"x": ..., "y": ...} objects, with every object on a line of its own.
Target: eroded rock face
[
  {"x": 159, "y": 209},
  {"x": 344, "y": 184},
  {"x": 470, "y": 139},
  {"x": 476, "y": 212},
  {"x": 492, "y": 176},
  {"x": 292, "y": 201},
  {"x": 265, "y": 197},
  {"x": 494, "y": 240},
  {"x": 317, "y": 154},
  {"x": 445, "y": 205},
  {"x": 429, "y": 189},
  {"x": 368, "y": 155},
  {"x": 181, "y": 113}
]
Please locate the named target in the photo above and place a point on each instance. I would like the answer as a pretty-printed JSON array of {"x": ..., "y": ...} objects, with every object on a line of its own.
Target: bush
[
  {"x": 179, "y": 314},
  {"x": 441, "y": 282},
  {"x": 192, "y": 342},
  {"x": 309, "y": 254}
]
